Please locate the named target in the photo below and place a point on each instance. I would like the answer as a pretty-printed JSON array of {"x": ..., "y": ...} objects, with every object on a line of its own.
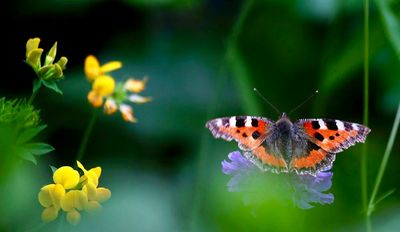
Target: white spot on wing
[
  {"x": 322, "y": 125},
  {"x": 248, "y": 121},
  {"x": 219, "y": 123},
  {"x": 232, "y": 121},
  {"x": 340, "y": 125},
  {"x": 355, "y": 127}
]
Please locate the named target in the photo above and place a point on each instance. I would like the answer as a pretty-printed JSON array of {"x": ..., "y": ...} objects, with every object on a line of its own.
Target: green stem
[
  {"x": 86, "y": 136},
  {"x": 363, "y": 162},
  {"x": 34, "y": 93},
  {"x": 385, "y": 159}
]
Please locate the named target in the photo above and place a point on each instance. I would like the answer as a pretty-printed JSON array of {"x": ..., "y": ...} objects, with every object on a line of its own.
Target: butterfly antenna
[
  {"x": 306, "y": 100},
  {"x": 265, "y": 99}
]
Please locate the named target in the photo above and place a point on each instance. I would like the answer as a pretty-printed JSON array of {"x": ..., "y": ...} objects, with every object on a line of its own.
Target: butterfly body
[{"x": 306, "y": 146}]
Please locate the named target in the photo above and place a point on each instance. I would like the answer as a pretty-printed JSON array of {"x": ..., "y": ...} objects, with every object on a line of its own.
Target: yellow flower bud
[
  {"x": 49, "y": 214},
  {"x": 66, "y": 176},
  {"x": 51, "y": 55},
  {"x": 62, "y": 62},
  {"x": 73, "y": 217},
  {"x": 104, "y": 85}
]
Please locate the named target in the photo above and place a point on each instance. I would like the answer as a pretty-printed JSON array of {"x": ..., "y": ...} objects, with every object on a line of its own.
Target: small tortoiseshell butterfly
[{"x": 306, "y": 146}]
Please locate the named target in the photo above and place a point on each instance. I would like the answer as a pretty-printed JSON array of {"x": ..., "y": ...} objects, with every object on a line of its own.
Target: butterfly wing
[
  {"x": 325, "y": 138},
  {"x": 248, "y": 131},
  {"x": 333, "y": 135},
  {"x": 266, "y": 160}
]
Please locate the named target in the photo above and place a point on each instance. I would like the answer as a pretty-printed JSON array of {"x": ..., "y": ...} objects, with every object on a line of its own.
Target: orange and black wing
[{"x": 248, "y": 131}]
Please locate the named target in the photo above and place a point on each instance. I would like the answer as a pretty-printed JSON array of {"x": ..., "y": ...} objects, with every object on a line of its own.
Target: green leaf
[
  {"x": 28, "y": 134},
  {"x": 36, "y": 85},
  {"x": 53, "y": 169},
  {"x": 38, "y": 148},
  {"x": 52, "y": 85},
  {"x": 25, "y": 154},
  {"x": 384, "y": 196}
]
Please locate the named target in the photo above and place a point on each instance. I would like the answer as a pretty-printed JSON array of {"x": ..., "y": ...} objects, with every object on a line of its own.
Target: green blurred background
[{"x": 165, "y": 171}]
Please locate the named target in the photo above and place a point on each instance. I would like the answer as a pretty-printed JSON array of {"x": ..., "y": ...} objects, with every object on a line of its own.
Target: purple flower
[{"x": 302, "y": 189}]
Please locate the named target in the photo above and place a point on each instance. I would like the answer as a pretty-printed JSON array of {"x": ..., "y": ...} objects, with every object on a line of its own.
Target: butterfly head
[{"x": 284, "y": 123}]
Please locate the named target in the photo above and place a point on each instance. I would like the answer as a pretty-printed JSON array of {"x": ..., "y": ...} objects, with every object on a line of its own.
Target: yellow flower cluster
[
  {"x": 48, "y": 70},
  {"x": 113, "y": 95},
  {"x": 72, "y": 193}
]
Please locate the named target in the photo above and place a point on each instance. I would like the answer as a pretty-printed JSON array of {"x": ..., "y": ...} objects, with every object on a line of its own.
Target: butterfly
[{"x": 307, "y": 146}]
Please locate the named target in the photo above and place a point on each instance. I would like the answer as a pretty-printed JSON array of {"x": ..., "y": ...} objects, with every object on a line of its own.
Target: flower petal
[
  {"x": 73, "y": 217},
  {"x": 102, "y": 194},
  {"x": 104, "y": 85},
  {"x": 110, "y": 106},
  {"x": 66, "y": 176},
  {"x": 135, "y": 98},
  {"x": 50, "y": 214},
  {"x": 74, "y": 199},
  {"x": 92, "y": 67},
  {"x": 95, "y": 99},
  {"x": 127, "y": 113},
  {"x": 90, "y": 190},
  {"x": 135, "y": 86},
  {"x": 110, "y": 66},
  {"x": 31, "y": 45},
  {"x": 44, "y": 195},
  {"x": 93, "y": 206}
]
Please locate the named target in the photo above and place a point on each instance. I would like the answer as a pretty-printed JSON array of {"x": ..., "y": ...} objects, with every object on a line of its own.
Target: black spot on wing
[
  {"x": 331, "y": 124},
  {"x": 254, "y": 122},
  {"x": 244, "y": 135},
  {"x": 319, "y": 136},
  {"x": 255, "y": 135},
  {"x": 312, "y": 146},
  {"x": 240, "y": 122},
  {"x": 315, "y": 125},
  {"x": 331, "y": 137}
]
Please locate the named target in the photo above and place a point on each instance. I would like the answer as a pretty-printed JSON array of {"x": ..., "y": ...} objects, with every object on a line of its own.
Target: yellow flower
[
  {"x": 114, "y": 95},
  {"x": 93, "y": 69},
  {"x": 72, "y": 193},
  {"x": 49, "y": 70}
]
